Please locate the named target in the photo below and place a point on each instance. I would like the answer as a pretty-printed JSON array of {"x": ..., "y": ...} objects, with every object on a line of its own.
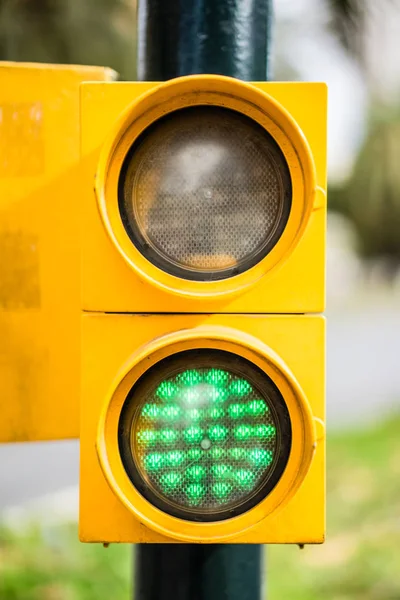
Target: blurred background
[{"x": 353, "y": 45}]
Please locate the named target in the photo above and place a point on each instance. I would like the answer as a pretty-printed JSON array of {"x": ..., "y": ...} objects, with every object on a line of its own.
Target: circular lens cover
[
  {"x": 205, "y": 193},
  {"x": 204, "y": 435}
]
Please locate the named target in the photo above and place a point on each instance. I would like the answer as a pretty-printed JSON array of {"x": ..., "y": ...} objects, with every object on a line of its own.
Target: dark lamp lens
[{"x": 205, "y": 193}]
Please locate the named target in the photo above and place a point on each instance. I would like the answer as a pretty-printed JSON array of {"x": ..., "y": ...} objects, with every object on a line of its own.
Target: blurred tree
[
  {"x": 347, "y": 22},
  {"x": 371, "y": 197},
  {"x": 95, "y": 32}
]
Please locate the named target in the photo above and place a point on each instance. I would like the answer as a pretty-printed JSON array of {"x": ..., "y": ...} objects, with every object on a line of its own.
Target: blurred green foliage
[
  {"x": 371, "y": 197},
  {"x": 359, "y": 561},
  {"x": 92, "y": 32},
  {"x": 361, "y": 557},
  {"x": 48, "y": 563}
]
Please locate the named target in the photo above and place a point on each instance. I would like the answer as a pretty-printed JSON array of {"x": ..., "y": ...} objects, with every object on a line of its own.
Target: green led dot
[
  {"x": 235, "y": 411},
  {"x": 191, "y": 396},
  {"x": 216, "y": 377},
  {"x": 170, "y": 412},
  {"x": 216, "y": 412},
  {"x": 168, "y": 436},
  {"x": 217, "y": 433},
  {"x": 193, "y": 434},
  {"x": 154, "y": 462},
  {"x": 243, "y": 432},
  {"x": 264, "y": 431},
  {"x": 174, "y": 458},
  {"x": 194, "y": 414},
  {"x": 171, "y": 480},
  {"x": 256, "y": 408},
  {"x": 244, "y": 477},
  {"x": 217, "y": 453},
  {"x": 195, "y": 492},
  {"x": 221, "y": 490},
  {"x": 147, "y": 436},
  {"x": 167, "y": 390},
  {"x": 190, "y": 377},
  {"x": 238, "y": 453},
  {"x": 240, "y": 387},
  {"x": 218, "y": 394},
  {"x": 195, "y": 472},
  {"x": 261, "y": 457},
  {"x": 195, "y": 454},
  {"x": 152, "y": 411},
  {"x": 221, "y": 470}
]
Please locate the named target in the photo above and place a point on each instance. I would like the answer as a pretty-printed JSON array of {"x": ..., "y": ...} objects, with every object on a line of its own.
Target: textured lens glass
[
  {"x": 205, "y": 193},
  {"x": 204, "y": 439}
]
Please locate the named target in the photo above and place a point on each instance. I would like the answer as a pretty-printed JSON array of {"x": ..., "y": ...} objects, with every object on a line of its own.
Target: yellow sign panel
[{"x": 39, "y": 247}]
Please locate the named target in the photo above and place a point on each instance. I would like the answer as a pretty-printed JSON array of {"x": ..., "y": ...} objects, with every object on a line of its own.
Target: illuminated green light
[
  {"x": 216, "y": 377},
  {"x": 168, "y": 435},
  {"x": 190, "y": 377},
  {"x": 217, "y": 433},
  {"x": 154, "y": 461},
  {"x": 261, "y": 457},
  {"x": 195, "y": 454},
  {"x": 221, "y": 470},
  {"x": 240, "y": 387},
  {"x": 221, "y": 490},
  {"x": 243, "y": 432},
  {"x": 171, "y": 480},
  {"x": 244, "y": 477},
  {"x": 235, "y": 411},
  {"x": 205, "y": 438},
  {"x": 217, "y": 453},
  {"x": 193, "y": 434},
  {"x": 195, "y": 414},
  {"x": 171, "y": 412},
  {"x": 264, "y": 431},
  {"x": 238, "y": 453},
  {"x": 216, "y": 412},
  {"x": 148, "y": 436},
  {"x": 195, "y": 492},
  {"x": 256, "y": 408},
  {"x": 167, "y": 390},
  {"x": 195, "y": 472},
  {"x": 174, "y": 458}
]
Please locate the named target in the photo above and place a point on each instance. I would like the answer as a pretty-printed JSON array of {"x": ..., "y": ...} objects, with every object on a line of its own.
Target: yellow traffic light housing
[
  {"x": 202, "y": 389},
  {"x": 283, "y": 349},
  {"x": 282, "y": 126}
]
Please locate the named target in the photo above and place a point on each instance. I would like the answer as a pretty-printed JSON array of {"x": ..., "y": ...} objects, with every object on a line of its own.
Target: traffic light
[{"x": 203, "y": 252}]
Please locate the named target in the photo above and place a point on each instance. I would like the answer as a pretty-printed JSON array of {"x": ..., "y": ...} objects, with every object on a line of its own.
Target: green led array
[{"x": 205, "y": 437}]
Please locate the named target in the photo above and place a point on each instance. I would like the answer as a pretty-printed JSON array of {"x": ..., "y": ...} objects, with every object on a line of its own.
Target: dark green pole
[
  {"x": 184, "y": 37},
  {"x": 224, "y": 37}
]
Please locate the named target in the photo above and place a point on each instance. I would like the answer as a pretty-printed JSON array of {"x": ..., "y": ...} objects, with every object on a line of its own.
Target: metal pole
[
  {"x": 198, "y": 572},
  {"x": 184, "y": 37}
]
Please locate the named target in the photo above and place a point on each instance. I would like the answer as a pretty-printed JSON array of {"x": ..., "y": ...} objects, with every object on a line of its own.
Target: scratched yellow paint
[{"x": 39, "y": 251}]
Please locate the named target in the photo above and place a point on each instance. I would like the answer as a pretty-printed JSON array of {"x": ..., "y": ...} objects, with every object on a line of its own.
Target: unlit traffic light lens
[
  {"x": 205, "y": 435},
  {"x": 205, "y": 193}
]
